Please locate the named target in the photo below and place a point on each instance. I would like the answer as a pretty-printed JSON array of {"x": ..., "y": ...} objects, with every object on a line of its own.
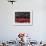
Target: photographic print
[{"x": 23, "y": 18}]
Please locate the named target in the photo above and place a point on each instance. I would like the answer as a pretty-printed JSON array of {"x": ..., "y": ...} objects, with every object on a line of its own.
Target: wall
[{"x": 8, "y": 30}]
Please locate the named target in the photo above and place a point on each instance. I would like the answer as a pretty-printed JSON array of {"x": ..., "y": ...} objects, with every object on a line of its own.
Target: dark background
[{"x": 22, "y": 14}]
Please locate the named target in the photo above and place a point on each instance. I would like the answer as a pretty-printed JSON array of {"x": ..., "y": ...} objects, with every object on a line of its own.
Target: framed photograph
[{"x": 23, "y": 18}]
